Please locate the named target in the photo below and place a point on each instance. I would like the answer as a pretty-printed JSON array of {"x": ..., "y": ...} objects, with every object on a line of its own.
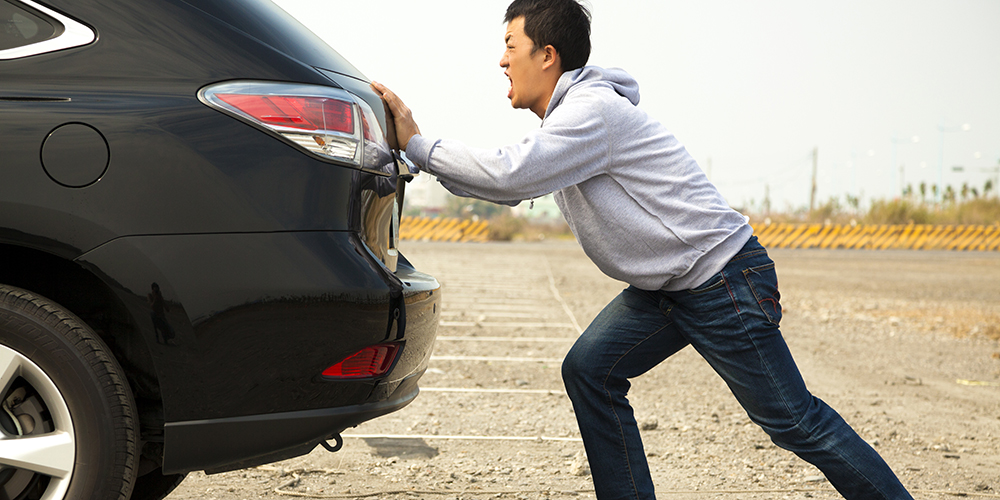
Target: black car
[{"x": 199, "y": 209}]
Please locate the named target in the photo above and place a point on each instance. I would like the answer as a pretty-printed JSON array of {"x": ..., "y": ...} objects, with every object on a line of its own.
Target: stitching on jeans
[
  {"x": 767, "y": 367},
  {"x": 752, "y": 253},
  {"x": 610, "y": 401},
  {"x": 773, "y": 380},
  {"x": 710, "y": 288},
  {"x": 732, "y": 297},
  {"x": 760, "y": 357},
  {"x": 775, "y": 306},
  {"x": 800, "y": 429},
  {"x": 843, "y": 458}
]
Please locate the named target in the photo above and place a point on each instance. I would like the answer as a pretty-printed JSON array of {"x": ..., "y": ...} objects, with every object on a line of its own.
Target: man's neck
[{"x": 543, "y": 104}]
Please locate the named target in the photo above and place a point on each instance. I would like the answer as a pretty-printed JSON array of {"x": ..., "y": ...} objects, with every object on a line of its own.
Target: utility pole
[
  {"x": 902, "y": 178},
  {"x": 812, "y": 193}
]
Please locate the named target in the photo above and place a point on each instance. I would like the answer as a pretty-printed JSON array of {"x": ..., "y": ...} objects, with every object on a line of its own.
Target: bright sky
[{"x": 749, "y": 87}]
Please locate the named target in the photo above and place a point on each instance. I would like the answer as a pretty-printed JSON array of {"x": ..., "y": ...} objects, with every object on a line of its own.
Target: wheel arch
[{"x": 80, "y": 292}]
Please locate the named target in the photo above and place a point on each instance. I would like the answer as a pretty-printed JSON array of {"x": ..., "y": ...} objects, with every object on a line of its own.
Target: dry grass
[{"x": 984, "y": 211}]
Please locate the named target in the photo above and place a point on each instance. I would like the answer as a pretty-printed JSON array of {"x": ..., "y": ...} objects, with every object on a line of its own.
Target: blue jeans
[{"x": 732, "y": 321}]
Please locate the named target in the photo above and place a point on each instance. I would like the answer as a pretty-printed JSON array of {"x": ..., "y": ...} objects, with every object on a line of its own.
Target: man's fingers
[
  {"x": 402, "y": 116},
  {"x": 395, "y": 103},
  {"x": 386, "y": 94}
]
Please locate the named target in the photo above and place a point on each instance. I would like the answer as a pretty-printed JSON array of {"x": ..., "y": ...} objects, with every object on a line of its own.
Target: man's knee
[
  {"x": 579, "y": 367},
  {"x": 805, "y": 430},
  {"x": 572, "y": 366}
]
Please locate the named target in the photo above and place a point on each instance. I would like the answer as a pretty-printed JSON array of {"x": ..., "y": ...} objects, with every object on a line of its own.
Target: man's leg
[
  {"x": 733, "y": 323},
  {"x": 629, "y": 337}
]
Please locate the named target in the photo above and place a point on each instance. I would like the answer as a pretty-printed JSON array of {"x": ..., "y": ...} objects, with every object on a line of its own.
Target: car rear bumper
[
  {"x": 249, "y": 322},
  {"x": 224, "y": 444}
]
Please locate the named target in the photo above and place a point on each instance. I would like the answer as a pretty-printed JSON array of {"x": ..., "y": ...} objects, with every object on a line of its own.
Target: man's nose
[{"x": 503, "y": 61}]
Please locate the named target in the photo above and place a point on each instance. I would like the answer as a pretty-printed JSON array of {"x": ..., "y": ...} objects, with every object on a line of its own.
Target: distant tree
[
  {"x": 975, "y": 193},
  {"x": 908, "y": 191},
  {"x": 949, "y": 194},
  {"x": 923, "y": 191},
  {"x": 988, "y": 187},
  {"x": 965, "y": 191},
  {"x": 854, "y": 202}
]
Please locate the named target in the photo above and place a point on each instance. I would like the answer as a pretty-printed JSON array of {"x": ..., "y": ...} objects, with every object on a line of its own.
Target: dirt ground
[{"x": 903, "y": 344}]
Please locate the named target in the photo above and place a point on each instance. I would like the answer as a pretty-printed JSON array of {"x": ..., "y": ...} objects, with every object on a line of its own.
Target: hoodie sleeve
[
  {"x": 458, "y": 192},
  {"x": 570, "y": 147}
]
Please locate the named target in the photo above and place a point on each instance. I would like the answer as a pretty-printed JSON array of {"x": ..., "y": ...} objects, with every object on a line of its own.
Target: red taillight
[
  {"x": 370, "y": 362},
  {"x": 328, "y": 122},
  {"x": 306, "y": 113}
]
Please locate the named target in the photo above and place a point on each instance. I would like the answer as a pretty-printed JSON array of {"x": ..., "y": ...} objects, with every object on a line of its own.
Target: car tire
[
  {"x": 67, "y": 423},
  {"x": 155, "y": 486}
]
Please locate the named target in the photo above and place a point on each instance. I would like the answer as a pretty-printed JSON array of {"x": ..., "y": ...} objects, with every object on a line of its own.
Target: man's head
[
  {"x": 563, "y": 24},
  {"x": 544, "y": 38}
]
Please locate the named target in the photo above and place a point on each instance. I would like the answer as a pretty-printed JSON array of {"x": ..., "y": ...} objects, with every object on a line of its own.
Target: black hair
[{"x": 563, "y": 24}]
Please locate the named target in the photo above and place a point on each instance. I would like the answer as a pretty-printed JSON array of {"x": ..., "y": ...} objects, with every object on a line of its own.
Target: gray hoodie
[{"x": 637, "y": 202}]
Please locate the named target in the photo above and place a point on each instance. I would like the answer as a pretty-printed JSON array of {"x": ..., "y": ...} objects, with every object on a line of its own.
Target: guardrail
[
  {"x": 880, "y": 237},
  {"x": 776, "y": 235},
  {"x": 443, "y": 229}
]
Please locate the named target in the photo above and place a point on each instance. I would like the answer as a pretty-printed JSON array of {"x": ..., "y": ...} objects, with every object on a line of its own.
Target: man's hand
[{"x": 403, "y": 117}]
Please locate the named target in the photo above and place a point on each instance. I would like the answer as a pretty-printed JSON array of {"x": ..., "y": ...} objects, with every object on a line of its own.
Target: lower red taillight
[{"x": 370, "y": 362}]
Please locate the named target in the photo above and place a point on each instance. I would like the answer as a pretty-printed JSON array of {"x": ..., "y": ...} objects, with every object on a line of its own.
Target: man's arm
[
  {"x": 458, "y": 192},
  {"x": 572, "y": 147},
  {"x": 546, "y": 160}
]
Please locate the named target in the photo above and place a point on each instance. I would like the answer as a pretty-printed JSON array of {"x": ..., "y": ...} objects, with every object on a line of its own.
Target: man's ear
[{"x": 551, "y": 58}]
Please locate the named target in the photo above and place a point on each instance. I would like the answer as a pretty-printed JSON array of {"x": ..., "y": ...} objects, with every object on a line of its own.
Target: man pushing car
[{"x": 646, "y": 214}]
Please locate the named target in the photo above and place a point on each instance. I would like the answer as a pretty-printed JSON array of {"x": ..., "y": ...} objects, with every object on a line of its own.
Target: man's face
[{"x": 523, "y": 66}]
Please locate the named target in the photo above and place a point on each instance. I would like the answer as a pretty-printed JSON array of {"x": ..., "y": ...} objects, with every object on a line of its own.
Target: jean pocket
[
  {"x": 713, "y": 283},
  {"x": 763, "y": 283}
]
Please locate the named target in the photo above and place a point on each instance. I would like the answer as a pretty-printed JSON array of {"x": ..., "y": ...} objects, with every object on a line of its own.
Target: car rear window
[{"x": 20, "y": 26}]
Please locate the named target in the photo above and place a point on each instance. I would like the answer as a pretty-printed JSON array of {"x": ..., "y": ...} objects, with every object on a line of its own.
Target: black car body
[{"x": 221, "y": 261}]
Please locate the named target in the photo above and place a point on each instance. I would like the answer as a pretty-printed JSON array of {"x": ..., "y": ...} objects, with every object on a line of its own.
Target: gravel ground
[{"x": 903, "y": 344}]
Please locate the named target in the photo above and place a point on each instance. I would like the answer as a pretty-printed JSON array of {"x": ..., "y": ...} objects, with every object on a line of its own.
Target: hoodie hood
[{"x": 587, "y": 76}]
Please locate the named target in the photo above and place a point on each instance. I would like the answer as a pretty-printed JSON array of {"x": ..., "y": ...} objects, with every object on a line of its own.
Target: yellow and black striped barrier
[
  {"x": 443, "y": 229},
  {"x": 776, "y": 235},
  {"x": 881, "y": 236}
]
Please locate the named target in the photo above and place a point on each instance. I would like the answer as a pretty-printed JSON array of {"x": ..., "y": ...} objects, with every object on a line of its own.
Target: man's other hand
[{"x": 403, "y": 117}]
